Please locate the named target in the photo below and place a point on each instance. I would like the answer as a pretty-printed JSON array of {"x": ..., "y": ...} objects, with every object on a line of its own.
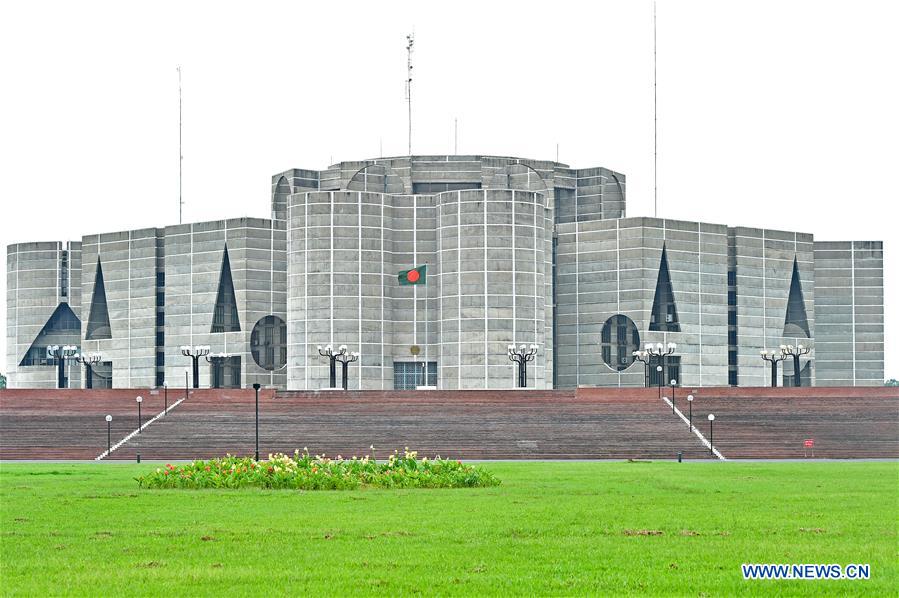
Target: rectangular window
[
  {"x": 731, "y": 318},
  {"x": 732, "y": 337},
  {"x": 160, "y": 378},
  {"x": 429, "y": 188},
  {"x": 160, "y": 279},
  {"x": 226, "y": 372},
  {"x": 732, "y": 377},
  {"x": 102, "y": 374},
  {"x": 731, "y": 298},
  {"x": 160, "y": 359},
  {"x": 670, "y": 372},
  {"x": 64, "y": 274},
  {"x": 407, "y": 375},
  {"x": 731, "y": 278},
  {"x": 160, "y": 339},
  {"x": 160, "y": 318},
  {"x": 732, "y": 357}
]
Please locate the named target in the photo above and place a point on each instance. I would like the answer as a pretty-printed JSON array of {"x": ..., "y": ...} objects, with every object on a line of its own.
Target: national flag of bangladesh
[{"x": 414, "y": 276}]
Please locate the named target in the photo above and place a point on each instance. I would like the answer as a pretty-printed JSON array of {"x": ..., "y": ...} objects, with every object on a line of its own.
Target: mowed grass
[{"x": 550, "y": 528}]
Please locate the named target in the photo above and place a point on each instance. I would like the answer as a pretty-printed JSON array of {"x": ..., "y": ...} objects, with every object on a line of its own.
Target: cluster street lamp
[
  {"x": 711, "y": 433},
  {"x": 328, "y": 351},
  {"x": 108, "y": 434},
  {"x": 195, "y": 353},
  {"x": 795, "y": 353},
  {"x": 660, "y": 352},
  {"x": 522, "y": 355},
  {"x": 88, "y": 360},
  {"x": 60, "y": 354},
  {"x": 690, "y": 403},
  {"x": 139, "y": 400},
  {"x": 774, "y": 358},
  {"x": 346, "y": 358}
]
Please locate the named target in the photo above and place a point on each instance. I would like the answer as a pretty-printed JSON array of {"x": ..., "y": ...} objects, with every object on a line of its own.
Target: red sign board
[{"x": 809, "y": 443}]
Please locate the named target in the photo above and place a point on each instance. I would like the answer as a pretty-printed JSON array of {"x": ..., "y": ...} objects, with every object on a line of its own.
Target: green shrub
[{"x": 303, "y": 471}]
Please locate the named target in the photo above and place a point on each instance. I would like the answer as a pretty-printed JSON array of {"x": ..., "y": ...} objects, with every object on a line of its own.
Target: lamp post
[
  {"x": 795, "y": 353},
  {"x": 774, "y": 358},
  {"x": 711, "y": 433},
  {"x": 60, "y": 354},
  {"x": 690, "y": 403},
  {"x": 522, "y": 355},
  {"x": 256, "y": 387},
  {"x": 643, "y": 357},
  {"x": 673, "y": 384},
  {"x": 345, "y": 360},
  {"x": 88, "y": 361},
  {"x": 328, "y": 351},
  {"x": 139, "y": 400},
  {"x": 660, "y": 352},
  {"x": 659, "y": 374},
  {"x": 108, "y": 434},
  {"x": 195, "y": 353},
  {"x": 165, "y": 394},
  {"x": 186, "y": 384}
]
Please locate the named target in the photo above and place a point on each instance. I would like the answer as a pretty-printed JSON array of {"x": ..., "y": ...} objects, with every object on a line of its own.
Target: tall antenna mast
[
  {"x": 410, "y": 41},
  {"x": 655, "y": 122},
  {"x": 180, "y": 156}
]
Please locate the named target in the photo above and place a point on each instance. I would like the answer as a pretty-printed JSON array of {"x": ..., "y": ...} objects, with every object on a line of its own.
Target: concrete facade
[
  {"x": 485, "y": 251},
  {"x": 606, "y": 268},
  {"x": 849, "y": 309},
  {"x": 40, "y": 277},
  {"x": 194, "y": 264},
  {"x": 517, "y": 251}
]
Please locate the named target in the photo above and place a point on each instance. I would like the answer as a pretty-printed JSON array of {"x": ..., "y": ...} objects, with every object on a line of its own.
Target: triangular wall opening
[
  {"x": 225, "y": 317},
  {"x": 98, "y": 321},
  {"x": 663, "y": 317},
  {"x": 796, "y": 321},
  {"x": 62, "y": 328}
]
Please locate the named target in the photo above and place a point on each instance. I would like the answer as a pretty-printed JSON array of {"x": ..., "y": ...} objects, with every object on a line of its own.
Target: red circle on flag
[{"x": 413, "y": 276}]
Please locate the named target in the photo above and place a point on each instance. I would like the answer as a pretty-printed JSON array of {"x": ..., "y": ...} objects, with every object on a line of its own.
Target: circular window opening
[
  {"x": 268, "y": 343},
  {"x": 620, "y": 339}
]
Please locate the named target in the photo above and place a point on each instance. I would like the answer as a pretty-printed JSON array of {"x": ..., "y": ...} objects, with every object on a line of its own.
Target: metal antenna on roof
[
  {"x": 410, "y": 41},
  {"x": 180, "y": 156},
  {"x": 655, "y": 122}
]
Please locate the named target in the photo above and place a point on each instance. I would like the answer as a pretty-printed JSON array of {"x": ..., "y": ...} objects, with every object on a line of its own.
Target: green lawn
[{"x": 550, "y": 528}]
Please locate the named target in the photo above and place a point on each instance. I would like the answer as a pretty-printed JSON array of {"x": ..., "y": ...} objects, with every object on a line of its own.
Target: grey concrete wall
[
  {"x": 576, "y": 194},
  {"x": 34, "y": 289},
  {"x": 493, "y": 286},
  {"x": 346, "y": 248},
  {"x": 604, "y": 268},
  {"x": 849, "y": 333},
  {"x": 764, "y": 269},
  {"x": 128, "y": 260},
  {"x": 193, "y": 264}
]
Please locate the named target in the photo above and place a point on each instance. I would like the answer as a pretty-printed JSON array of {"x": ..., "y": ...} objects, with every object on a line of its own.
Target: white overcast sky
[{"x": 777, "y": 114}]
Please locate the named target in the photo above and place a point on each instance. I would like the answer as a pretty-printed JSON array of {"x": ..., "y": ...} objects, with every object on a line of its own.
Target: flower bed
[{"x": 303, "y": 471}]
